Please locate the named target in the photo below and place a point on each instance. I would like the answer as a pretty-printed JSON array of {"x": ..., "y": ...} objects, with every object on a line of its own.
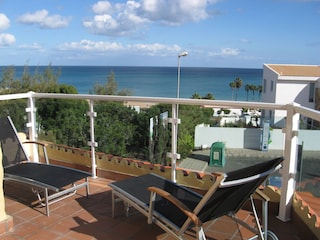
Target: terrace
[{"x": 293, "y": 214}]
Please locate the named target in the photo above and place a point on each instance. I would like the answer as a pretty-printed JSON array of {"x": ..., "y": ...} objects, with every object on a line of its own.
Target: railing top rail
[
  {"x": 308, "y": 112},
  {"x": 187, "y": 101}
]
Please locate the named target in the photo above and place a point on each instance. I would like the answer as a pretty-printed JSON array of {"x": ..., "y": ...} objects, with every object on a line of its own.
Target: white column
[
  {"x": 32, "y": 126},
  {"x": 92, "y": 142},
  {"x": 174, "y": 140},
  {"x": 289, "y": 163}
]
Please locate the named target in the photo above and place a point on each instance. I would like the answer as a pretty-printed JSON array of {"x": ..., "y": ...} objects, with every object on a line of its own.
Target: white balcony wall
[{"x": 250, "y": 138}]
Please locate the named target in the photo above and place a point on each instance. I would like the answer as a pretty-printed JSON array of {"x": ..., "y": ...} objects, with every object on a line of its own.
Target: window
[
  {"x": 311, "y": 92},
  {"x": 271, "y": 86}
]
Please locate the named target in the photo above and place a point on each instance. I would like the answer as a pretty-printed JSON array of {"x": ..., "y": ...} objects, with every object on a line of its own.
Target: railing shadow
[{"x": 100, "y": 224}]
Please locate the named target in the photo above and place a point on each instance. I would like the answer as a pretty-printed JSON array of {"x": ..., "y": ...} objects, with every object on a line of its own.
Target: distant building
[{"x": 284, "y": 83}]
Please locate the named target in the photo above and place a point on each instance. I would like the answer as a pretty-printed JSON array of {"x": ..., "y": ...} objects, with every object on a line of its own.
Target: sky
[{"x": 215, "y": 33}]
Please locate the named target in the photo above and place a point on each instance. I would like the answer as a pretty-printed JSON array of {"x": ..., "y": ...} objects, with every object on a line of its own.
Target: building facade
[{"x": 283, "y": 83}]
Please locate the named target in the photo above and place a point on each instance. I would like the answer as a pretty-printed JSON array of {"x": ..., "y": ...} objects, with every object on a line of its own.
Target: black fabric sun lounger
[
  {"x": 176, "y": 208},
  {"x": 51, "y": 183}
]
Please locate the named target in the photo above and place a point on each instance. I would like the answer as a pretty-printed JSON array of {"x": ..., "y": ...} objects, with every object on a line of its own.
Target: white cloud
[
  {"x": 102, "y": 7},
  {"x": 7, "y": 39},
  {"x": 4, "y": 22},
  {"x": 34, "y": 46},
  {"x": 175, "y": 12},
  {"x": 154, "y": 49},
  {"x": 123, "y": 19},
  {"x": 88, "y": 45},
  {"x": 44, "y": 20},
  {"x": 226, "y": 52}
]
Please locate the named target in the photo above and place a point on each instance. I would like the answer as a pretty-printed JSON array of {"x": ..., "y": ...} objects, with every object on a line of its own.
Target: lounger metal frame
[
  {"x": 23, "y": 170},
  {"x": 120, "y": 193}
]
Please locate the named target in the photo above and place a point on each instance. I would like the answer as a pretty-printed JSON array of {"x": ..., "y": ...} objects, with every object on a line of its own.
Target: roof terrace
[{"x": 81, "y": 218}]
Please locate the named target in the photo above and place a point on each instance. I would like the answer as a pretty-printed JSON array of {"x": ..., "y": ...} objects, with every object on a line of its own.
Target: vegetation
[
  {"x": 119, "y": 130},
  {"x": 207, "y": 96},
  {"x": 253, "y": 89}
]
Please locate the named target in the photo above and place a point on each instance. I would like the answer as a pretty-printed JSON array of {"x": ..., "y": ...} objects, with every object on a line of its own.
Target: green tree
[
  {"x": 114, "y": 128},
  {"x": 196, "y": 96},
  {"x": 63, "y": 121},
  {"x": 238, "y": 84},
  {"x": 209, "y": 96},
  {"x": 259, "y": 89},
  {"x": 232, "y": 85},
  {"x": 253, "y": 89},
  {"x": 110, "y": 87},
  {"x": 190, "y": 117},
  {"x": 247, "y": 89}
]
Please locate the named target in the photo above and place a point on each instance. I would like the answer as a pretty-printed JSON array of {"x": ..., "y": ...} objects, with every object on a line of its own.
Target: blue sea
[{"x": 156, "y": 81}]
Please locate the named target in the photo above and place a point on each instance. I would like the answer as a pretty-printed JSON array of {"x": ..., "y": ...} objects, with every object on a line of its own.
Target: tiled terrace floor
[{"x": 84, "y": 218}]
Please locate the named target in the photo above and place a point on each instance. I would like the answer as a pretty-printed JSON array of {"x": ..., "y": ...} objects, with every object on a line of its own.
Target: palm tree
[
  {"x": 238, "y": 84},
  {"x": 196, "y": 96},
  {"x": 209, "y": 96},
  {"x": 232, "y": 86},
  {"x": 260, "y": 91},
  {"x": 247, "y": 88},
  {"x": 253, "y": 89}
]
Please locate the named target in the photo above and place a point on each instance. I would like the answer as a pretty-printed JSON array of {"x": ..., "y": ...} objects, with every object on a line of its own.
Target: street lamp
[
  {"x": 183, "y": 54},
  {"x": 175, "y": 111}
]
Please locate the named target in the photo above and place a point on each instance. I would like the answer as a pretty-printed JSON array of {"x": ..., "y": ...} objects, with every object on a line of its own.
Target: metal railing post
[
  {"x": 174, "y": 141},
  {"x": 289, "y": 164},
  {"x": 91, "y": 114},
  {"x": 31, "y": 124}
]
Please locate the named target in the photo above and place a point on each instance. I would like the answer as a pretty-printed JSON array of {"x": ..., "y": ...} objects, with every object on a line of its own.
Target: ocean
[{"x": 156, "y": 81}]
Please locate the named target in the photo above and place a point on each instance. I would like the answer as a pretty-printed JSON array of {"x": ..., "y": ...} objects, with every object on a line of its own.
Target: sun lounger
[
  {"x": 176, "y": 208},
  {"x": 51, "y": 183}
]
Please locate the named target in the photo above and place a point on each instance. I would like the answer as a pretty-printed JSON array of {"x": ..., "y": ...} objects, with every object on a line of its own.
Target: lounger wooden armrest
[
  {"x": 177, "y": 203},
  {"x": 42, "y": 145},
  {"x": 260, "y": 194},
  {"x": 36, "y": 142}
]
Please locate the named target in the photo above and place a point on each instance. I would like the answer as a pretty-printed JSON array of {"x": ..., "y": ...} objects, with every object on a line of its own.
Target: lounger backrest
[
  {"x": 12, "y": 149},
  {"x": 235, "y": 189}
]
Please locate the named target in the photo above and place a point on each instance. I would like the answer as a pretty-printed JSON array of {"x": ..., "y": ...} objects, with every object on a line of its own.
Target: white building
[{"x": 284, "y": 83}]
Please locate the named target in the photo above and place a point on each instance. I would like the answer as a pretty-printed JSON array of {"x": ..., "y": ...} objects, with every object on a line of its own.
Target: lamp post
[
  {"x": 183, "y": 54},
  {"x": 175, "y": 125}
]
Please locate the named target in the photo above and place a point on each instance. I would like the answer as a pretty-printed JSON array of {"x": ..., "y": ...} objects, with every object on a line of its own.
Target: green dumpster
[{"x": 217, "y": 155}]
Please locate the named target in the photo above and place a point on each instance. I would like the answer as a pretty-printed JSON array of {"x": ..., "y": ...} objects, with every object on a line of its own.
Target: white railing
[{"x": 293, "y": 111}]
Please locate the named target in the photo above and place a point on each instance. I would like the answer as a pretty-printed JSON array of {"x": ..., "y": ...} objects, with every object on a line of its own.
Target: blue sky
[{"x": 216, "y": 33}]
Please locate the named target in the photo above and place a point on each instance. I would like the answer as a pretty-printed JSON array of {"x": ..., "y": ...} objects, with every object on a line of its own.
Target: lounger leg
[
  {"x": 46, "y": 201},
  {"x": 260, "y": 233},
  {"x": 200, "y": 234},
  {"x": 87, "y": 187},
  {"x": 113, "y": 204}
]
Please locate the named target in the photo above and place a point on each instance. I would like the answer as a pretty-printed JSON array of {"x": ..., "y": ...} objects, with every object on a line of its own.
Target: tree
[
  {"x": 209, "y": 96},
  {"x": 114, "y": 128},
  {"x": 247, "y": 89},
  {"x": 63, "y": 121},
  {"x": 238, "y": 84},
  {"x": 259, "y": 88},
  {"x": 232, "y": 86},
  {"x": 196, "y": 96},
  {"x": 253, "y": 89},
  {"x": 110, "y": 87}
]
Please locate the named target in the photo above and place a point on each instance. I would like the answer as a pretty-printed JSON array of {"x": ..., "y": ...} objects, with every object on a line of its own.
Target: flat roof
[{"x": 295, "y": 70}]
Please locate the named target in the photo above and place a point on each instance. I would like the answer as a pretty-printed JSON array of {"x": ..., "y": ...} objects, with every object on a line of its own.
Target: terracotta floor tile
[{"x": 82, "y": 218}]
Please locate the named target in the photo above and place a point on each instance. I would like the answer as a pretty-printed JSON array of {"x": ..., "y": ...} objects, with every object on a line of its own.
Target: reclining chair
[
  {"x": 51, "y": 183},
  {"x": 176, "y": 209}
]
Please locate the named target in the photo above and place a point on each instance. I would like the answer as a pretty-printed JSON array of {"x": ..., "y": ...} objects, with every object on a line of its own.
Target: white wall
[{"x": 250, "y": 138}]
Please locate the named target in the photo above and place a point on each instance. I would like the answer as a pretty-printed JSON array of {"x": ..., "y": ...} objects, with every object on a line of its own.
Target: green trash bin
[{"x": 217, "y": 155}]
